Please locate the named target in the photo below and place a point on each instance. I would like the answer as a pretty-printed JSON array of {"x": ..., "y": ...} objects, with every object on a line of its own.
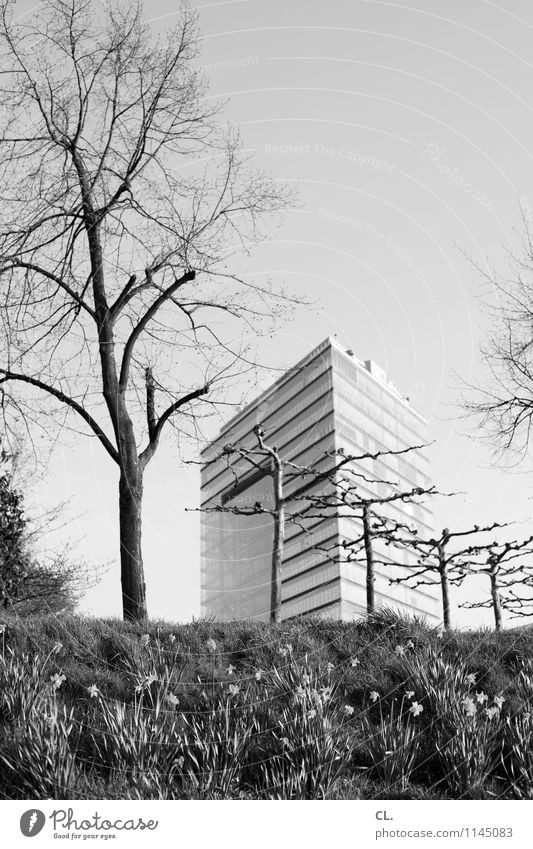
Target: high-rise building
[{"x": 329, "y": 401}]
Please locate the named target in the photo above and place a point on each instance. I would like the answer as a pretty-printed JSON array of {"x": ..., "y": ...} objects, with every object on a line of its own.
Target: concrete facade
[{"x": 329, "y": 400}]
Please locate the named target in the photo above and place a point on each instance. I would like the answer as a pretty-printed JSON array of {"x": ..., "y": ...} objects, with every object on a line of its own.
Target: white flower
[
  {"x": 258, "y": 675},
  {"x": 410, "y": 645},
  {"x": 172, "y": 638},
  {"x": 57, "y": 647},
  {"x": 349, "y": 710},
  {"x": 311, "y": 714},
  {"x": 409, "y": 694},
  {"x": 355, "y": 661},
  {"x": 145, "y": 639},
  {"x": 57, "y": 680},
  {"x": 299, "y": 692},
  {"x": 172, "y": 699},
  {"x": 211, "y": 646},
  {"x": 284, "y": 741},
  {"x": 234, "y": 689},
  {"x": 492, "y": 712},
  {"x": 469, "y": 706},
  {"x": 470, "y": 679},
  {"x": 306, "y": 679},
  {"x": 2, "y": 629},
  {"x": 498, "y": 701},
  {"x": 415, "y": 709},
  {"x": 93, "y": 691},
  {"x": 374, "y": 696},
  {"x": 400, "y": 651},
  {"x": 330, "y": 667},
  {"x": 325, "y": 694},
  {"x": 481, "y": 698},
  {"x": 230, "y": 670}
]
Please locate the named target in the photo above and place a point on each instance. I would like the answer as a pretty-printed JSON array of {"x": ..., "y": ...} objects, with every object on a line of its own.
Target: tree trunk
[
  {"x": 131, "y": 563},
  {"x": 370, "y": 577},
  {"x": 496, "y": 603},
  {"x": 279, "y": 538},
  {"x": 446, "y": 618}
]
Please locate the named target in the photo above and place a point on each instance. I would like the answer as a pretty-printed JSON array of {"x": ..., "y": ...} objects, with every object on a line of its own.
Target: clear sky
[{"x": 407, "y": 130}]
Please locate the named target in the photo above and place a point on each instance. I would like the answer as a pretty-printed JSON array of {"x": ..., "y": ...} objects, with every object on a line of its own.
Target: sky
[{"x": 406, "y": 130}]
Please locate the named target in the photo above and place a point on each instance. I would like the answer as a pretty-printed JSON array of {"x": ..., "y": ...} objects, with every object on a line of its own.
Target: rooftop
[{"x": 369, "y": 366}]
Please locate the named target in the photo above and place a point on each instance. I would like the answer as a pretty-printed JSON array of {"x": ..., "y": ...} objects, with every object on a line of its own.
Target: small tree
[
  {"x": 31, "y": 579},
  {"x": 13, "y": 553},
  {"x": 438, "y": 564},
  {"x": 506, "y": 566},
  {"x": 122, "y": 209}
]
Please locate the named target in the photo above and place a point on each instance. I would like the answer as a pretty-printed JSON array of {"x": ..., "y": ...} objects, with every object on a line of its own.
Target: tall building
[{"x": 329, "y": 401}]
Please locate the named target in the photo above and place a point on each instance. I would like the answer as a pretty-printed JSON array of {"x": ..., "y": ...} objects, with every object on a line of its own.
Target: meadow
[{"x": 383, "y": 708}]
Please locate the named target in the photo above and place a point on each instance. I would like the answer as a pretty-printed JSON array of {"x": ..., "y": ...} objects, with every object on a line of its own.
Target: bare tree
[
  {"x": 437, "y": 563},
  {"x": 504, "y": 404},
  {"x": 303, "y": 495},
  {"x": 507, "y": 568},
  {"x": 123, "y": 207}
]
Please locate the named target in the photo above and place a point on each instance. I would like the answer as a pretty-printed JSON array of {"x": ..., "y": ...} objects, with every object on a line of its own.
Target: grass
[{"x": 382, "y": 708}]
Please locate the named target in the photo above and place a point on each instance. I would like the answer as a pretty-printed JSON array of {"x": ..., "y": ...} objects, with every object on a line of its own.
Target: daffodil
[
  {"x": 56, "y": 680},
  {"x": 258, "y": 675},
  {"x": 234, "y": 689},
  {"x": 498, "y": 701},
  {"x": 355, "y": 661},
  {"x": 469, "y": 706},
  {"x": 415, "y": 709},
  {"x": 400, "y": 651},
  {"x": 481, "y": 698},
  {"x": 470, "y": 679},
  {"x": 230, "y": 670},
  {"x": 374, "y": 696},
  {"x": 145, "y": 639},
  {"x": 172, "y": 699},
  {"x": 349, "y": 710},
  {"x": 409, "y": 694},
  {"x": 211, "y": 646},
  {"x": 93, "y": 690}
]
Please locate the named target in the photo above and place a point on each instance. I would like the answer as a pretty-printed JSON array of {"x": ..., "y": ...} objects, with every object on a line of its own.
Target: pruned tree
[
  {"x": 123, "y": 208},
  {"x": 509, "y": 571},
  {"x": 375, "y": 526},
  {"x": 438, "y": 563},
  {"x": 303, "y": 495}
]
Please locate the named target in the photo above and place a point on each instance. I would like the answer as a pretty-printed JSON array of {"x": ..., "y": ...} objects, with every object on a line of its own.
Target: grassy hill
[{"x": 382, "y": 708}]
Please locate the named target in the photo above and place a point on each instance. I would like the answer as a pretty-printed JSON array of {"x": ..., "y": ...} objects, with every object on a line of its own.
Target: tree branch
[{"x": 70, "y": 402}]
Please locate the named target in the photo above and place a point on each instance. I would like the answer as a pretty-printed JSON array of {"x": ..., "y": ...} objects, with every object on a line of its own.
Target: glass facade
[{"x": 329, "y": 400}]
